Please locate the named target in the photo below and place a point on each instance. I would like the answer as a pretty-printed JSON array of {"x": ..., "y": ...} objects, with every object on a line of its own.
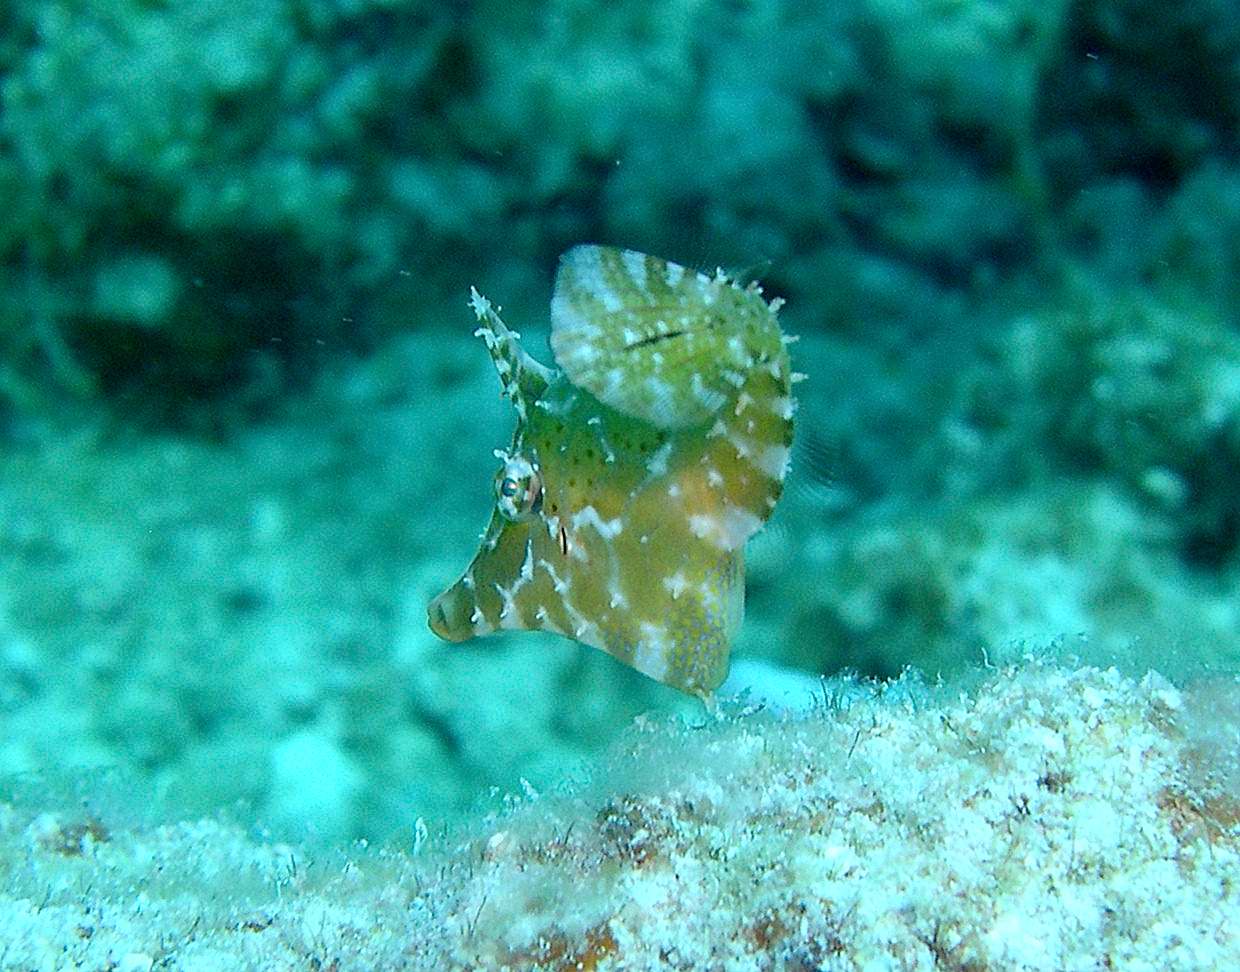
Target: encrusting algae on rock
[{"x": 637, "y": 471}]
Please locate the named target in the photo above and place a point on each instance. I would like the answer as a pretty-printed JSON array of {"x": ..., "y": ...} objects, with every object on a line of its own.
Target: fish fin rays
[
  {"x": 524, "y": 377},
  {"x": 652, "y": 339}
]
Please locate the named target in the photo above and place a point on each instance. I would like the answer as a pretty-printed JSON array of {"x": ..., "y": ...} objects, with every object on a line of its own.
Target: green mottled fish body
[{"x": 637, "y": 471}]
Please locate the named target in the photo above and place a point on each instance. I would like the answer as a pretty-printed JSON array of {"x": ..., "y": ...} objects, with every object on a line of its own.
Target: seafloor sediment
[{"x": 1046, "y": 819}]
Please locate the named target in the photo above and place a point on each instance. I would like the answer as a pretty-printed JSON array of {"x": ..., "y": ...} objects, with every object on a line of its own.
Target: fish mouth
[
  {"x": 436, "y": 619},
  {"x": 447, "y": 619}
]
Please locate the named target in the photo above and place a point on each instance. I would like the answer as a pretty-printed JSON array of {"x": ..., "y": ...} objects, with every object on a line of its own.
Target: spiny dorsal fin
[
  {"x": 524, "y": 379},
  {"x": 653, "y": 340}
]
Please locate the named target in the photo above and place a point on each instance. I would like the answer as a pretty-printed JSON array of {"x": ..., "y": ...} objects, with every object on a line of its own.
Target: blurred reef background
[{"x": 245, "y": 432}]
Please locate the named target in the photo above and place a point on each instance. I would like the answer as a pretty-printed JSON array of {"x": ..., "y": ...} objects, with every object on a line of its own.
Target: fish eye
[{"x": 518, "y": 489}]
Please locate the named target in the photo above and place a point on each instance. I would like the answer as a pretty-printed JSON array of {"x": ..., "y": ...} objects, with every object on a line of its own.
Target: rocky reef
[{"x": 1045, "y": 819}]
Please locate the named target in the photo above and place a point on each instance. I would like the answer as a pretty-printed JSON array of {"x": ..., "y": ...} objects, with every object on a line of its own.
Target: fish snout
[{"x": 448, "y": 615}]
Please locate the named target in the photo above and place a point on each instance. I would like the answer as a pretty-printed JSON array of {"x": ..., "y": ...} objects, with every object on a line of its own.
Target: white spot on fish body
[
  {"x": 651, "y": 655},
  {"x": 703, "y": 393},
  {"x": 660, "y": 390},
  {"x": 657, "y": 465},
  {"x": 737, "y": 526},
  {"x": 558, "y": 584},
  {"x": 581, "y": 624},
  {"x": 702, "y": 526},
  {"x": 588, "y": 516},
  {"x": 784, "y": 407},
  {"x": 508, "y": 617},
  {"x": 583, "y": 354},
  {"x": 635, "y": 264},
  {"x": 544, "y": 619},
  {"x": 586, "y": 263},
  {"x": 773, "y": 460}
]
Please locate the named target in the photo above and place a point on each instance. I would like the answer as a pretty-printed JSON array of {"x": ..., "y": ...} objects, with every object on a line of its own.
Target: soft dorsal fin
[{"x": 653, "y": 340}]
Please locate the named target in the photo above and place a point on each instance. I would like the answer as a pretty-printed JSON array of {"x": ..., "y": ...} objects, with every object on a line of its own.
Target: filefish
[{"x": 638, "y": 469}]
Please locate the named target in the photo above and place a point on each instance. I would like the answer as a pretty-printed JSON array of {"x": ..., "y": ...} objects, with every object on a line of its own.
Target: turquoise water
[{"x": 246, "y": 434}]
